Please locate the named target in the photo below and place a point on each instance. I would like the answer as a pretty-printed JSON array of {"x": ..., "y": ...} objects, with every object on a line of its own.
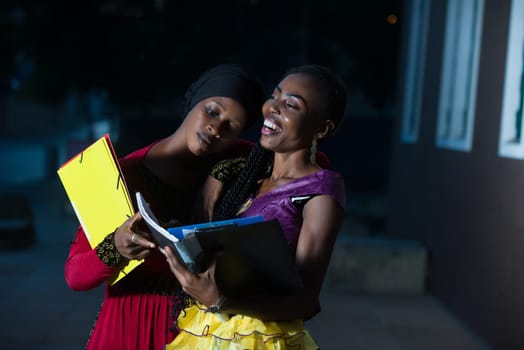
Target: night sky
[{"x": 142, "y": 51}]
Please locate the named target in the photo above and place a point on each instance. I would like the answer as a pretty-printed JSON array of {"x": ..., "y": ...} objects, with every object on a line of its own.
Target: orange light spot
[{"x": 392, "y": 19}]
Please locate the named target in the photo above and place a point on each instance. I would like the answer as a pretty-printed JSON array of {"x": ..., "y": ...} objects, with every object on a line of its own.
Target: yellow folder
[{"x": 98, "y": 194}]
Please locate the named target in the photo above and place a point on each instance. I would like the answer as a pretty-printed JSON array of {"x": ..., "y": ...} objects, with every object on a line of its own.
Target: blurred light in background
[{"x": 392, "y": 19}]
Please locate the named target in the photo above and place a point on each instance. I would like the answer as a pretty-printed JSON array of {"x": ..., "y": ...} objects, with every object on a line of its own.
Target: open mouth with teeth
[{"x": 270, "y": 127}]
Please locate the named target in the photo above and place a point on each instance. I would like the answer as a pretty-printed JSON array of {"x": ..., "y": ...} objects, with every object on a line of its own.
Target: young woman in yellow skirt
[{"x": 279, "y": 180}]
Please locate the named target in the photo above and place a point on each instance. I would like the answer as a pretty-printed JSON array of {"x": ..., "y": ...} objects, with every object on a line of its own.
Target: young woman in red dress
[{"x": 136, "y": 312}]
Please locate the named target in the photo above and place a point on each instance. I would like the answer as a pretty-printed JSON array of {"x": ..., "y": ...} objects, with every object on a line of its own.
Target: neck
[
  {"x": 292, "y": 165},
  {"x": 172, "y": 162}
]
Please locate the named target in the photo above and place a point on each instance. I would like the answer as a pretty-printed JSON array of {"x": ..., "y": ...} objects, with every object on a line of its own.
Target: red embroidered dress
[{"x": 136, "y": 311}]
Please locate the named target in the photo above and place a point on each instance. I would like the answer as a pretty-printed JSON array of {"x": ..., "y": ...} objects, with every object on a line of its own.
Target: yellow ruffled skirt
[{"x": 200, "y": 329}]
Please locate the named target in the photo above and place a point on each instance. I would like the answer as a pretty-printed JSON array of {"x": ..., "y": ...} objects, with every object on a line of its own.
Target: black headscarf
[{"x": 228, "y": 80}]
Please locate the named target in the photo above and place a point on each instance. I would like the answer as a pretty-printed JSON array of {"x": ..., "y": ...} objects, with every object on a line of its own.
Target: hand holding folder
[
  {"x": 98, "y": 193},
  {"x": 252, "y": 254}
]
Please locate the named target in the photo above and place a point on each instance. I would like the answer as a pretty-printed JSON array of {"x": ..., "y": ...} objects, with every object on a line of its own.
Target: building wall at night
[{"x": 464, "y": 201}]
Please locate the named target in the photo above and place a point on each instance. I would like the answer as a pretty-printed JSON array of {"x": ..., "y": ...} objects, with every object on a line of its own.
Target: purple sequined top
[{"x": 283, "y": 203}]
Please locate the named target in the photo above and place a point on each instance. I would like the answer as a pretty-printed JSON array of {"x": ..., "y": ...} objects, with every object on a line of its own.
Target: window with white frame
[
  {"x": 414, "y": 69},
  {"x": 511, "y": 141},
  {"x": 458, "y": 87}
]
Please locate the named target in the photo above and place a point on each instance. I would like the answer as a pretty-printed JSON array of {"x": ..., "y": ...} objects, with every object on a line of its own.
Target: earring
[{"x": 313, "y": 152}]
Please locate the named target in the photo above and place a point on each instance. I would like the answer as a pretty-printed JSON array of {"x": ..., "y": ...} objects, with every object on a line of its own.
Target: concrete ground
[{"x": 39, "y": 312}]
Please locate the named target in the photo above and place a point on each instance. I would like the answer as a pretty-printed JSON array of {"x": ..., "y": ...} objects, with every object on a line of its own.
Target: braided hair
[
  {"x": 258, "y": 165},
  {"x": 260, "y": 160}
]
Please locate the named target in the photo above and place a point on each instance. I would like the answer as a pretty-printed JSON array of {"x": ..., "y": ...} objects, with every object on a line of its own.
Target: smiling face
[
  {"x": 292, "y": 115},
  {"x": 213, "y": 124}
]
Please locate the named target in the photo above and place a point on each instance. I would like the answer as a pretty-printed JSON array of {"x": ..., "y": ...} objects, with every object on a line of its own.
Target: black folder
[{"x": 251, "y": 259}]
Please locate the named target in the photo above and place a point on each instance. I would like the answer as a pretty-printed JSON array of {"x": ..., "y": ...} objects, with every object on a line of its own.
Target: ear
[{"x": 325, "y": 129}]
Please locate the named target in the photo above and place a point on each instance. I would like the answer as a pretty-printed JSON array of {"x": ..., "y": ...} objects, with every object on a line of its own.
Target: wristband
[{"x": 218, "y": 306}]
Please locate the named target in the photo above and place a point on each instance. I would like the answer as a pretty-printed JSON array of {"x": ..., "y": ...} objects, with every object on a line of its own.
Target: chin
[
  {"x": 264, "y": 143},
  {"x": 198, "y": 151}
]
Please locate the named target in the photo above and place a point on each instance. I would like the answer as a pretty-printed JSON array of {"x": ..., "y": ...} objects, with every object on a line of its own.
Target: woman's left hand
[{"x": 200, "y": 286}]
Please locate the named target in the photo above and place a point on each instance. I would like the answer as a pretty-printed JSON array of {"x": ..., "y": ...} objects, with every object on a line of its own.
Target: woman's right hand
[
  {"x": 200, "y": 286},
  {"x": 130, "y": 241}
]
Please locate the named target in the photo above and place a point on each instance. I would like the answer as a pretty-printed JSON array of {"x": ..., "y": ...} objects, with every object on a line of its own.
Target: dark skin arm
[{"x": 322, "y": 219}]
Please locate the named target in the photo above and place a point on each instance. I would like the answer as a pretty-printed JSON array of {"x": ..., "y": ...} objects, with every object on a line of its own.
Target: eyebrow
[
  {"x": 292, "y": 95},
  {"x": 220, "y": 104}
]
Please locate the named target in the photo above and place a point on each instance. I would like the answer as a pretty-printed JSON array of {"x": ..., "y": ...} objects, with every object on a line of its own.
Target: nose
[
  {"x": 273, "y": 106},
  {"x": 214, "y": 130}
]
